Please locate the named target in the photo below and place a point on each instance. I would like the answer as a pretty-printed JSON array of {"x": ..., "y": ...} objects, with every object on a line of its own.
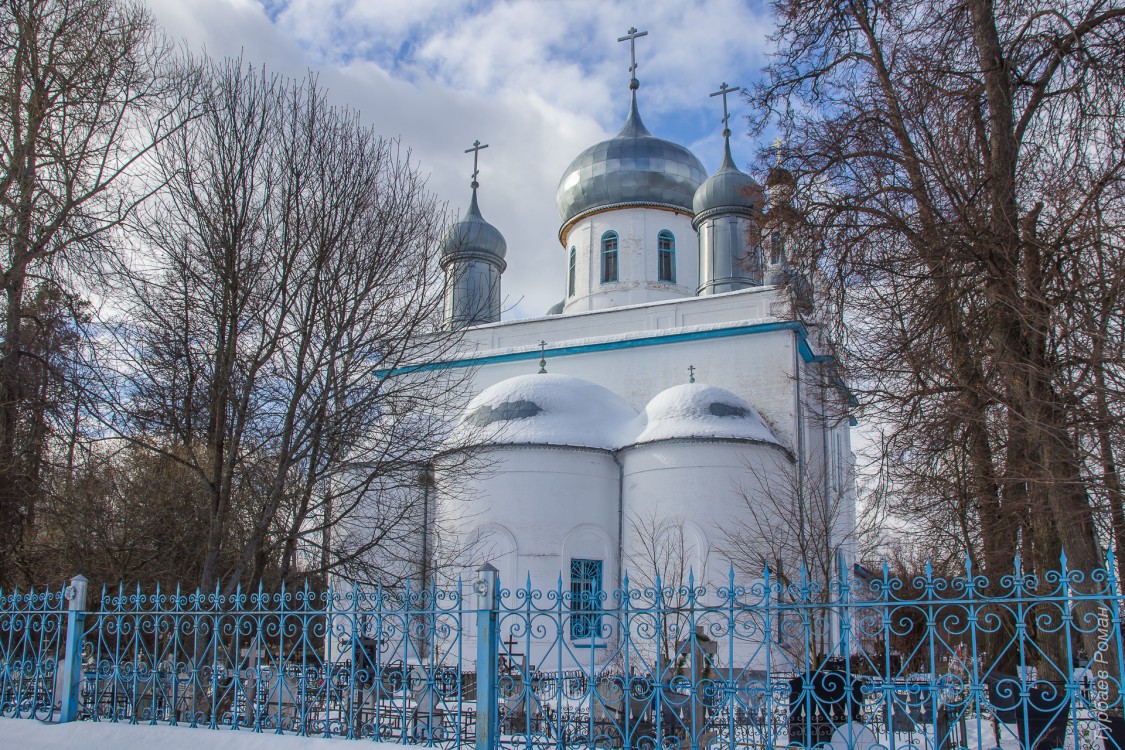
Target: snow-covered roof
[
  {"x": 553, "y": 409},
  {"x": 696, "y": 410},
  {"x": 546, "y": 409}
]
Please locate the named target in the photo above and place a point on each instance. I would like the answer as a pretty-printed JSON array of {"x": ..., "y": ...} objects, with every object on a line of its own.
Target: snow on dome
[
  {"x": 545, "y": 409},
  {"x": 700, "y": 411}
]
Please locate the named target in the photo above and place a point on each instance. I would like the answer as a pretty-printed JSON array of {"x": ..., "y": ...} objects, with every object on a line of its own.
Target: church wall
[
  {"x": 697, "y": 493},
  {"x": 756, "y": 367},
  {"x": 704, "y": 483},
  {"x": 542, "y": 495},
  {"x": 758, "y": 304},
  {"x": 531, "y": 512},
  {"x": 637, "y": 258},
  {"x": 827, "y": 453}
]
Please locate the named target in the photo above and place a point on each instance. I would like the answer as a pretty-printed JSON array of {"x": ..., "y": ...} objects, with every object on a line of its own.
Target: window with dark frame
[
  {"x": 609, "y": 257},
  {"x": 585, "y": 599},
  {"x": 666, "y": 257},
  {"x": 570, "y": 273}
]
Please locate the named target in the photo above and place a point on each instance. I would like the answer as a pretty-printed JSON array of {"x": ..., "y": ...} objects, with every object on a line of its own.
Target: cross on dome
[
  {"x": 723, "y": 91},
  {"x": 475, "y": 150},
  {"x": 632, "y": 37}
]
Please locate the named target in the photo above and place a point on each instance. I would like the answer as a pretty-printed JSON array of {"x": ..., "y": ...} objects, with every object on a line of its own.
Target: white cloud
[{"x": 538, "y": 80}]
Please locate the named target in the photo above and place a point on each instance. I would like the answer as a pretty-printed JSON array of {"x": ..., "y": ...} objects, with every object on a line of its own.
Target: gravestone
[{"x": 853, "y": 736}]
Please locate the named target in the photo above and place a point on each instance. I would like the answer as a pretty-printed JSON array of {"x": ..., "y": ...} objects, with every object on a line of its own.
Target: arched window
[
  {"x": 585, "y": 598},
  {"x": 609, "y": 257},
  {"x": 777, "y": 249},
  {"x": 666, "y": 256},
  {"x": 570, "y": 273}
]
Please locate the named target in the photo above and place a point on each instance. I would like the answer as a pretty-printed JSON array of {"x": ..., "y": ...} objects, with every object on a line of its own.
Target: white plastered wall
[{"x": 637, "y": 258}]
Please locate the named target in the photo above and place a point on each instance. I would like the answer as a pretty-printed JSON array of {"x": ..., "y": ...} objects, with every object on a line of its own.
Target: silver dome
[
  {"x": 473, "y": 235},
  {"x": 633, "y": 167},
  {"x": 729, "y": 188}
]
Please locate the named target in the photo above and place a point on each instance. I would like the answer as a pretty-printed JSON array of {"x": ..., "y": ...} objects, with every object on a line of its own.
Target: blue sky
[{"x": 538, "y": 80}]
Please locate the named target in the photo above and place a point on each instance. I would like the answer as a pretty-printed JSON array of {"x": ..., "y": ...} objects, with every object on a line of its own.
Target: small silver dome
[
  {"x": 633, "y": 167},
  {"x": 473, "y": 235},
  {"x": 729, "y": 188}
]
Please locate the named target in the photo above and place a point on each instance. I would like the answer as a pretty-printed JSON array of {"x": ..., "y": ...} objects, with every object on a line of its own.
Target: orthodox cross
[
  {"x": 777, "y": 143},
  {"x": 723, "y": 91},
  {"x": 475, "y": 151},
  {"x": 542, "y": 358},
  {"x": 691, "y": 373},
  {"x": 632, "y": 36},
  {"x": 512, "y": 655}
]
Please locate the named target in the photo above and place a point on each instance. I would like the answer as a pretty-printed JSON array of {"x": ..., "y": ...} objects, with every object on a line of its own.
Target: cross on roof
[
  {"x": 542, "y": 357},
  {"x": 475, "y": 150},
  {"x": 778, "y": 143},
  {"x": 632, "y": 37},
  {"x": 691, "y": 373},
  {"x": 723, "y": 91}
]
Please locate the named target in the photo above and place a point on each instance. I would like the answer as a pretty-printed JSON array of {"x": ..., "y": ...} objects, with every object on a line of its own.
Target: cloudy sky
[{"x": 537, "y": 80}]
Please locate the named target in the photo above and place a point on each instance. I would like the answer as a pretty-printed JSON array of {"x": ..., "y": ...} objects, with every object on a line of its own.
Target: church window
[
  {"x": 609, "y": 257},
  {"x": 585, "y": 598},
  {"x": 666, "y": 256},
  {"x": 775, "y": 248},
  {"x": 570, "y": 276}
]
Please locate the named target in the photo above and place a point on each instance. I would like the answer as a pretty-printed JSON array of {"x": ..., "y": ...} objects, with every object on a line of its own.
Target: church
[{"x": 677, "y": 412}]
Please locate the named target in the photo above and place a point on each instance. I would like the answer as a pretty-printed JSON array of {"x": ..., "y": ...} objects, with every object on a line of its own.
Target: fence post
[
  {"x": 75, "y": 631},
  {"x": 488, "y": 644}
]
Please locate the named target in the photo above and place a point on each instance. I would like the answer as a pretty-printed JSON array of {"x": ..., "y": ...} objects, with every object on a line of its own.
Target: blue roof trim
[
  {"x": 672, "y": 338},
  {"x": 796, "y": 327}
]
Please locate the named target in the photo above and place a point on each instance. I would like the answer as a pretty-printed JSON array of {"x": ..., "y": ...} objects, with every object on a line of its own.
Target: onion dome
[
  {"x": 696, "y": 410},
  {"x": 729, "y": 189},
  {"x": 634, "y": 168},
  {"x": 781, "y": 184},
  {"x": 545, "y": 409},
  {"x": 472, "y": 235},
  {"x": 557, "y": 308},
  {"x": 780, "y": 176}
]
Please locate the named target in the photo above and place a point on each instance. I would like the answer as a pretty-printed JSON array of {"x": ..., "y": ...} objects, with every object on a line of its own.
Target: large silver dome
[
  {"x": 633, "y": 167},
  {"x": 474, "y": 235},
  {"x": 730, "y": 188}
]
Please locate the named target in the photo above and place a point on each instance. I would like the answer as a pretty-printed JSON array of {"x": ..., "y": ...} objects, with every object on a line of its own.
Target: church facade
[{"x": 676, "y": 413}]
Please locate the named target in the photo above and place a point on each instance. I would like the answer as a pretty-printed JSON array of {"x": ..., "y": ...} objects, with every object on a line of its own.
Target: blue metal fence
[{"x": 931, "y": 663}]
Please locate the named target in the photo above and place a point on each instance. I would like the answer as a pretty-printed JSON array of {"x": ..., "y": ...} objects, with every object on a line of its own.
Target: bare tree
[
  {"x": 82, "y": 93},
  {"x": 666, "y": 557},
  {"x": 800, "y": 529},
  {"x": 272, "y": 329},
  {"x": 956, "y": 158}
]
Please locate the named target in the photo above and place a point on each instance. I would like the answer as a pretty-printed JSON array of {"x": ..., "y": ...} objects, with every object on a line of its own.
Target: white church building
[{"x": 681, "y": 379}]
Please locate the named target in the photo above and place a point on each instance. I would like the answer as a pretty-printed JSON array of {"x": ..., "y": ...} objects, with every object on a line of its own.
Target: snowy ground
[{"x": 27, "y": 734}]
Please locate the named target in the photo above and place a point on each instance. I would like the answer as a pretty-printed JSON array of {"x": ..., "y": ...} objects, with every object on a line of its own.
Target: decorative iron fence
[{"x": 929, "y": 663}]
